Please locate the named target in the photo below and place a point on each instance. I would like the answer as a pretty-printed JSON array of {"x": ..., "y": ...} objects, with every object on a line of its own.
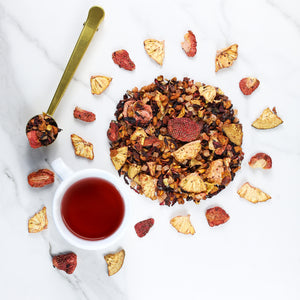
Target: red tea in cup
[{"x": 92, "y": 208}]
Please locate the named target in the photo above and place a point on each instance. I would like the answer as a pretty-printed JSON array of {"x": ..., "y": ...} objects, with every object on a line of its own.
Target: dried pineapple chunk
[
  {"x": 234, "y": 132},
  {"x": 118, "y": 157},
  {"x": 133, "y": 170},
  {"x": 114, "y": 262},
  {"x": 225, "y": 57},
  {"x": 99, "y": 84},
  {"x": 193, "y": 183},
  {"x": 187, "y": 151},
  {"x": 38, "y": 222},
  {"x": 82, "y": 147},
  {"x": 208, "y": 92},
  {"x": 267, "y": 120},
  {"x": 183, "y": 224},
  {"x": 139, "y": 133},
  {"x": 215, "y": 171},
  {"x": 155, "y": 49},
  {"x": 148, "y": 184},
  {"x": 252, "y": 193}
]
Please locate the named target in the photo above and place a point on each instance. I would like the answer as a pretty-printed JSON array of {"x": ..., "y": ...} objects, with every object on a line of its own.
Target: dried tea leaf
[
  {"x": 234, "y": 132},
  {"x": 114, "y": 262},
  {"x": 267, "y": 120},
  {"x": 118, "y": 157},
  {"x": 225, "y": 57},
  {"x": 155, "y": 49},
  {"x": 187, "y": 151},
  {"x": 252, "y": 193},
  {"x": 148, "y": 184},
  {"x": 99, "y": 84},
  {"x": 261, "y": 160},
  {"x": 208, "y": 92},
  {"x": 82, "y": 147},
  {"x": 183, "y": 224},
  {"x": 193, "y": 183},
  {"x": 38, "y": 222}
]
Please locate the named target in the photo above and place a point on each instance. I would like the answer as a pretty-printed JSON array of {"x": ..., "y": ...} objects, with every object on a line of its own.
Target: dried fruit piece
[
  {"x": 225, "y": 57},
  {"x": 113, "y": 131},
  {"x": 190, "y": 44},
  {"x": 215, "y": 171},
  {"x": 208, "y": 92},
  {"x": 261, "y": 160},
  {"x": 38, "y": 222},
  {"x": 133, "y": 170},
  {"x": 118, "y": 157},
  {"x": 114, "y": 262},
  {"x": 234, "y": 132},
  {"x": 252, "y": 193},
  {"x": 148, "y": 184},
  {"x": 122, "y": 59},
  {"x": 40, "y": 178},
  {"x": 267, "y": 120},
  {"x": 216, "y": 216},
  {"x": 65, "y": 262},
  {"x": 137, "y": 112},
  {"x": 143, "y": 227},
  {"x": 99, "y": 84},
  {"x": 33, "y": 139},
  {"x": 187, "y": 151},
  {"x": 183, "y": 224},
  {"x": 248, "y": 85},
  {"x": 155, "y": 49},
  {"x": 84, "y": 115},
  {"x": 184, "y": 129},
  {"x": 193, "y": 183},
  {"x": 82, "y": 148}
]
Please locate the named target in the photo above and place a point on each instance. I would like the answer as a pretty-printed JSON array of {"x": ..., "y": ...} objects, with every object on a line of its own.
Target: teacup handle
[{"x": 61, "y": 169}]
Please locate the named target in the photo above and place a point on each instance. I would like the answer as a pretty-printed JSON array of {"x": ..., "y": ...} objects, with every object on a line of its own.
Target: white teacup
[{"x": 70, "y": 177}]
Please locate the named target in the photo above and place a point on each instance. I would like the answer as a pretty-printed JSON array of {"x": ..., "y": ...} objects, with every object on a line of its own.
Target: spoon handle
[{"x": 95, "y": 16}]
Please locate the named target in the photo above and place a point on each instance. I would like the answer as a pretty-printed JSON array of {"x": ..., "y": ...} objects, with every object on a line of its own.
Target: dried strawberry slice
[
  {"x": 190, "y": 44},
  {"x": 33, "y": 139},
  {"x": 216, "y": 216},
  {"x": 249, "y": 85},
  {"x": 65, "y": 262},
  {"x": 143, "y": 227},
  {"x": 184, "y": 129},
  {"x": 122, "y": 59},
  {"x": 113, "y": 131}
]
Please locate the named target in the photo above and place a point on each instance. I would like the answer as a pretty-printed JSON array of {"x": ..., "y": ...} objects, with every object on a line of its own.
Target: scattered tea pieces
[
  {"x": 234, "y": 132},
  {"x": 118, "y": 157},
  {"x": 155, "y": 49},
  {"x": 190, "y": 44},
  {"x": 184, "y": 129},
  {"x": 225, "y": 57},
  {"x": 40, "y": 178},
  {"x": 65, "y": 262},
  {"x": 82, "y": 148},
  {"x": 84, "y": 115},
  {"x": 143, "y": 227},
  {"x": 38, "y": 222},
  {"x": 248, "y": 85},
  {"x": 41, "y": 130},
  {"x": 267, "y": 120},
  {"x": 261, "y": 160},
  {"x": 122, "y": 59},
  {"x": 252, "y": 193},
  {"x": 216, "y": 216},
  {"x": 114, "y": 262},
  {"x": 183, "y": 224},
  {"x": 99, "y": 84}
]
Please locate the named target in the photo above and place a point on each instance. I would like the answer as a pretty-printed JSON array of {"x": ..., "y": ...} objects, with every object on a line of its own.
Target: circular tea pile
[{"x": 176, "y": 140}]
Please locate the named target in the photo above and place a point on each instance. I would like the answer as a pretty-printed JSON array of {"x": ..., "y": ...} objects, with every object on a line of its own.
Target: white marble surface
[{"x": 256, "y": 255}]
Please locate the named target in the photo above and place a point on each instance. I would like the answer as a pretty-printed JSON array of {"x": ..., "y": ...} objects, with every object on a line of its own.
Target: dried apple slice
[
  {"x": 38, "y": 222},
  {"x": 187, "y": 151},
  {"x": 225, "y": 57},
  {"x": 234, "y": 132},
  {"x": 267, "y": 120},
  {"x": 118, "y": 157},
  {"x": 99, "y": 84},
  {"x": 193, "y": 183},
  {"x": 155, "y": 49},
  {"x": 114, "y": 262},
  {"x": 252, "y": 193},
  {"x": 183, "y": 224},
  {"x": 82, "y": 147}
]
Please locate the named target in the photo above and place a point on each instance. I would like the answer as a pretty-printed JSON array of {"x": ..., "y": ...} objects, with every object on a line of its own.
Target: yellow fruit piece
[
  {"x": 208, "y": 92},
  {"x": 155, "y": 49},
  {"x": 225, "y": 57},
  {"x": 252, "y": 193},
  {"x": 38, "y": 222},
  {"x": 234, "y": 132},
  {"x": 99, "y": 84},
  {"x": 118, "y": 157},
  {"x": 267, "y": 120},
  {"x": 148, "y": 184},
  {"x": 82, "y": 148},
  {"x": 114, "y": 262},
  {"x": 183, "y": 224},
  {"x": 187, "y": 151},
  {"x": 193, "y": 183}
]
